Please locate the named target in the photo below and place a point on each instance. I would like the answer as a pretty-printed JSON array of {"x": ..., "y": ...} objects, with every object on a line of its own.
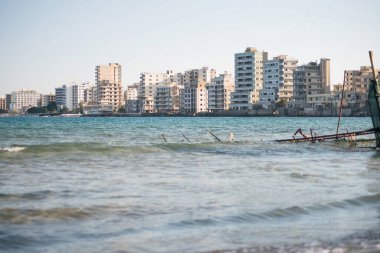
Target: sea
[{"x": 166, "y": 184}]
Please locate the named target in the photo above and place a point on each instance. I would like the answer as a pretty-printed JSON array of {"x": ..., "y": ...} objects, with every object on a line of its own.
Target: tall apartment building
[
  {"x": 356, "y": 86},
  {"x": 109, "y": 86},
  {"x": 22, "y": 100},
  {"x": 132, "y": 92},
  {"x": 249, "y": 78},
  {"x": 149, "y": 83},
  {"x": 193, "y": 96},
  {"x": 167, "y": 98},
  {"x": 3, "y": 104},
  {"x": 70, "y": 96},
  {"x": 90, "y": 95},
  {"x": 8, "y": 100},
  {"x": 219, "y": 92},
  {"x": 278, "y": 80},
  {"x": 311, "y": 79}
]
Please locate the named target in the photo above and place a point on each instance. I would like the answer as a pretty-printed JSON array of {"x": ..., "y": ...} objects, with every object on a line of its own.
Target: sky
[{"x": 47, "y": 43}]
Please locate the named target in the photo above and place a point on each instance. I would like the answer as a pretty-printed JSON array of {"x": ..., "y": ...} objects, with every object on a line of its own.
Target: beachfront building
[
  {"x": 310, "y": 79},
  {"x": 108, "y": 85},
  {"x": 356, "y": 86},
  {"x": 90, "y": 95},
  {"x": 3, "y": 104},
  {"x": 148, "y": 87},
  {"x": 167, "y": 98},
  {"x": 278, "y": 80},
  {"x": 219, "y": 92},
  {"x": 46, "y": 99},
  {"x": 23, "y": 99},
  {"x": 132, "y": 92},
  {"x": 70, "y": 96},
  {"x": 8, "y": 100},
  {"x": 249, "y": 78},
  {"x": 193, "y": 96}
]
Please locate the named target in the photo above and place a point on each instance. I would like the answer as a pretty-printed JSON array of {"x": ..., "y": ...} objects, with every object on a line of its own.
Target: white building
[
  {"x": 70, "y": 96},
  {"x": 132, "y": 92},
  {"x": 193, "y": 96},
  {"x": 219, "y": 92},
  {"x": 22, "y": 100},
  {"x": 278, "y": 80},
  {"x": 46, "y": 99},
  {"x": 249, "y": 67}
]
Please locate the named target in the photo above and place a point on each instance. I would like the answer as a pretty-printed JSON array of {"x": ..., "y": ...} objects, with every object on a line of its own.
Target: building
[
  {"x": 8, "y": 100},
  {"x": 278, "y": 80},
  {"x": 219, "y": 92},
  {"x": 109, "y": 86},
  {"x": 90, "y": 96},
  {"x": 132, "y": 92},
  {"x": 3, "y": 104},
  {"x": 22, "y": 100},
  {"x": 167, "y": 98},
  {"x": 46, "y": 99},
  {"x": 70, "y": 96},
  {"x": 148, "y": 87},
  {"x": 193, "y": 96},
  {"x": 311, "y": 79},
  {"x": 249, "y": 67}
]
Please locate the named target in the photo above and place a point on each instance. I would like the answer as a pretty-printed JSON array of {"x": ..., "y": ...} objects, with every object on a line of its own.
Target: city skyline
[{"x": 49, "y": 43}]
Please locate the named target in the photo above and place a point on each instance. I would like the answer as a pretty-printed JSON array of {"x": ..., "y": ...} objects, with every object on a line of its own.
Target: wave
[
  {"x": 26, "y": 196},
  {"x": 12, "y": 149},
  {"x": 281, "y": 213},
  {"x": 26, "y": 216}
]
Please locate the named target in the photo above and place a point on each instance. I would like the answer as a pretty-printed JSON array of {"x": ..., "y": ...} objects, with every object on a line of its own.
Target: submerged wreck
[{"x": 374, "y": 105}]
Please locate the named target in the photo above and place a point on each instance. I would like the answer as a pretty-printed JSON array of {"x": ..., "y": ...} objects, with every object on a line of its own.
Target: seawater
[{"x": 115, "y": 185}]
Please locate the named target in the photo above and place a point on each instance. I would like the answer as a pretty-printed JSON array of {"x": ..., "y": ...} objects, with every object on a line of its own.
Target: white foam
[{"x": 12, "y": 149}]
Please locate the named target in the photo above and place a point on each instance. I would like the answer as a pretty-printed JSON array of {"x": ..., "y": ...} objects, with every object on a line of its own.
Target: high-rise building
[
  {"x": 3, "y": 104},
  {"x": 109, "y": 86},
  {"x": 249, "y": 78},
  {"x": 8, "y": 100},
  {"x": 311, "y": 79},
  {"x": 167, "y": 98},
  {"x": 23, "y": 100},
  {"x": 219, "y": 92},
  {"x": 70, "y": 96},
  {"x": 193, "y": 96},
  {"x": 278, "y": 80}
]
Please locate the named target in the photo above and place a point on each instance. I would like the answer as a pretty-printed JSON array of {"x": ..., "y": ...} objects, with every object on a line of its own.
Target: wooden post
[{"x": 372, "y": 66}]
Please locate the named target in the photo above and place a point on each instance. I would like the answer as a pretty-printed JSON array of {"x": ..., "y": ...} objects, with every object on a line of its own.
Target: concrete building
[
  {"x": 70, "y": 96},
  {"x": 249, "y": 78},
  {"x": 22, "y": 100},
  {"x": 46, "y": 99},
  {"x": 148, "y": 87},
  {"x": 3, "y": 104},
  {"x": 109, "y": 86},
  {"x": 311, "y": 79},
  {"x": 219, "y": 92},
  {"x": 132, "y": 92},
  {"x": 167, "y": 98},
  {"x": 278, "y": 80},
  {"x": 90, "y": 96},
  {"x": 193, "y": 96},
  {"x": 8, "y": 100}
]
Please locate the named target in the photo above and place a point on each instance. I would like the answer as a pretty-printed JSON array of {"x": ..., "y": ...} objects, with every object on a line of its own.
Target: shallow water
[{"x": 114, "y": 185}]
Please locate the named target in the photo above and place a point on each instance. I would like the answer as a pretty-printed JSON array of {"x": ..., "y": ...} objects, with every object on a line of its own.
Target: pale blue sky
[{"x": 46, "y": 43}]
